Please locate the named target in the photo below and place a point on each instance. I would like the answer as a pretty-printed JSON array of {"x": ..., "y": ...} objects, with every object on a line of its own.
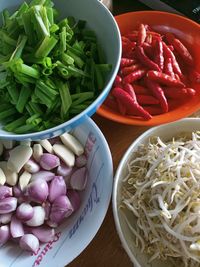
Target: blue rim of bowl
[{"x": 78, "y": 119}]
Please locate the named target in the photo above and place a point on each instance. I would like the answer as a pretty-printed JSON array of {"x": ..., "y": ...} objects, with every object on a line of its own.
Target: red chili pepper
[
  {"x": 171, "y": 47},
  {"x": 117, "y": 81},
  {"x": 140, "y": 90},
  {"x": 134, "y": 76},
  {"x": 194, "y": 76},
  {"x": 159, "y": 58},
  {"x": 176, "y": 93},
  {"x": 147, "y": 100},
  {"x": 111, "y": 103},
  {"x": 148, "y": 49},
  {"x": 127, "y": 46},
  {"x": 132, "y": 37},
  {"x": 132, "y": 106},
  {"x": 127, "y": 70},
  {"x": 163, "y": 78},
  {"x": 169, "y": 54},
  {"x": 154, "y": 34},
  {"x": 130, "y": 55},
  {"x": 121, "y": 107},
  {"x": 168, "y": 69},
  {"x": 158, "y": 92},
  {"x": 125, "y": 39},
  {"x": 143, "y": 58},
  {"x": 180, "y": 48},
  {"x": 154, "y": 110},
  {"x": 125, "y": 62},
  {"x": 141, "y": 34},
  {"x": 191, "y": 91},
  {"x": 130, "y": 90}
]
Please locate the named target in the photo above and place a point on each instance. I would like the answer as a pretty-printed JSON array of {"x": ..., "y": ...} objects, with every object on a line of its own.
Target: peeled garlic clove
[
  {"x": 72, "y": 143},
  {"x": 16, "y": 162},
  {"x": 8, "y": 144},
  {"x": 65, "y": 154},
  {"x": 11, "y": 177},
  {"x": 46, "y": 145},
  {"x": 37, "y": 152},
  {"x": 24, "y": 180},
  {"x": 25, "y": 143},
  {"x": 2, "y": 177}
]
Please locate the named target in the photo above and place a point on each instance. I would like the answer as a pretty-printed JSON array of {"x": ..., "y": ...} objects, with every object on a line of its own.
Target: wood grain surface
[{"x": 106, "y": 250}]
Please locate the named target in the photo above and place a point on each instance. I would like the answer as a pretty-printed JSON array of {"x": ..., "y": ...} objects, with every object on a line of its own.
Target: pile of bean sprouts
[{"x": 162, "y": 191}]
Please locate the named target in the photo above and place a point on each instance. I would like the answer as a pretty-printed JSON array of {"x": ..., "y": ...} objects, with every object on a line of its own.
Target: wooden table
[{"x": 105, "y": 250}]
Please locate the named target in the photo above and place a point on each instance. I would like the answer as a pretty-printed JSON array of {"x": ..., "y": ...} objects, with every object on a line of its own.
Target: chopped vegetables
[
  {"x": 40, "y": 190},
  {"x": 50, "y": 69},
  {"x": 161, "y": 191},
  {"x": 155, "y": 63}
]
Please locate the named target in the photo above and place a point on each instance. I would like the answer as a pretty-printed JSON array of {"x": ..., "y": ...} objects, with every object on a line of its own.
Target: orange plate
[{"x": 188, "y": 32}]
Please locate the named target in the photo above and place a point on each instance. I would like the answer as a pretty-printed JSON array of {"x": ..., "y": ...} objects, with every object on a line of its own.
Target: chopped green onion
[
  {"x": 99, "y": 78},
  {"x": 20, "y": 46},
  {"x": 62, "y": 35},
  {"x": 46, "y": 46},
  {"x": 7, "y": 113},
  {"x": 5, "y": 17},
  {"x": 25, "y": 129},
  {"x": 65, "y": 96},
  {"x": 24, "y": 95},
  {"x": 7, "y": 39},
  {"x": 78, "y": 61},
  {"x": 66, "y": 59},
  {"x": 13, "y": 92},
  {"x": 50, "y": 16},
  {"x": 41, "y": 29},
  {"x": 49, "y": 68},
  {"x": 10, "y": 127}
]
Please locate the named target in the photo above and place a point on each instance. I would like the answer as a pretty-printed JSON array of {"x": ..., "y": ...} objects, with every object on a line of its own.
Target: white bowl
[
  {"x": 165, "y": 132},
  {"x": 77, "y": 232},
  {"x": 99, "y": 19}
]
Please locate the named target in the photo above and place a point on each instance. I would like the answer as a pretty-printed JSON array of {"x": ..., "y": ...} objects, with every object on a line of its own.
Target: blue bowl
[{"x": 98, "y": 18}]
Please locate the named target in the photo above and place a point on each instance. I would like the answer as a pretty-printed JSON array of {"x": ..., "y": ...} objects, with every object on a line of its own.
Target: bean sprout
[{"x": 162, "y": 191}]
